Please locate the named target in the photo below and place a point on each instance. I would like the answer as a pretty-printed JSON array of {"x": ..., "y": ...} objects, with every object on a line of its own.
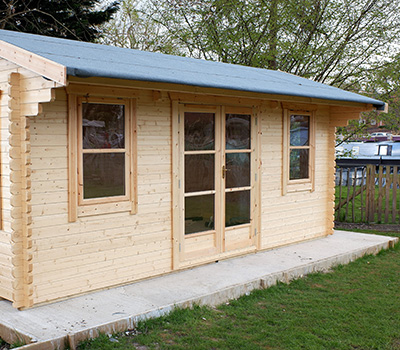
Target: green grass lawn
[{"x": 356, "y": 306}]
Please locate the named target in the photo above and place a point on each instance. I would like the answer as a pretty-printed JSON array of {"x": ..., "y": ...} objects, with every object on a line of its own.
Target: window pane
[
  {"x": 299, "y": 130},
  {"x": 237, "y": 170},
  {"x": 237, "y": 131},
  {"x": 103, "y": 175},
  {"x": 199, "y": 214},
  {"x": 299, "y": 164},
  {"x": 237, "y": 208},
  {"x": 103, "y": 125},
  {"x": 199, "y": 172},
  {"x": 199, "y": 131}
]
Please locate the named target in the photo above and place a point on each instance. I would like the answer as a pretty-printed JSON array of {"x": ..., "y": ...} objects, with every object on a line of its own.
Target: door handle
[{"x": 224, "y": 170}]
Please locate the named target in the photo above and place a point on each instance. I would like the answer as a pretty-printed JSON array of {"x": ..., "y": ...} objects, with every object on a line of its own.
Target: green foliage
[
  {"x": 329, "y": 41},
  {"x": 60, "y": 18},
  {"x": 132, "y": 28},
  {"x": 354, "y": 307}
]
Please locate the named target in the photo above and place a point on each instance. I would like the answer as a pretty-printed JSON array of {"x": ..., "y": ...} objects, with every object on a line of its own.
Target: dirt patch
[{"x": 362, "y": 226}]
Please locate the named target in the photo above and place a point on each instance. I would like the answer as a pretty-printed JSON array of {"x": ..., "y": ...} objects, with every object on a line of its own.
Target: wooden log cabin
[{"x": 119, "y": 165}]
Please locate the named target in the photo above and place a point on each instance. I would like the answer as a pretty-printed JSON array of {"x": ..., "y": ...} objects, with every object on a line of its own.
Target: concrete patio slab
[{"x": 67, "y": 322}]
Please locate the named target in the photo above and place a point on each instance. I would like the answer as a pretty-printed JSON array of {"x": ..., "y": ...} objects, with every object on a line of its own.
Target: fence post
[
  {"x": 370, "y": 200},
  {"x": 380, "y": 193},
  {"x": 340, "y": 193},
  {"x": 353, "y": 202},
  {"x": 387, "y": 193},
  {"x": 394, "y": 194},
  {"x": 348, "y": 194},
  {"x": 363, "y": 208}
]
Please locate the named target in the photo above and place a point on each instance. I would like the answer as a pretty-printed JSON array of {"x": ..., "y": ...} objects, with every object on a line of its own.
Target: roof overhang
[{"x": 35, "y": 63}]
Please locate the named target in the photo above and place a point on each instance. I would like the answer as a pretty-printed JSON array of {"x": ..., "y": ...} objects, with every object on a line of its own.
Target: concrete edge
[
  {"x": 12, "y": 335},
  {"x": 218, "y": 297}
]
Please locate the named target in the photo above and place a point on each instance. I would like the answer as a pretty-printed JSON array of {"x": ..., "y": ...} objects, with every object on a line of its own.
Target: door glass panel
[
  {"x": 103, "y": 175},
  {"x": 199, "y": 214},
  {"x": 199, "y": 172},
  {"x": 237, "y": 208},
  {"x": 103, "y": 125},
  {"x": 237, "y": 170},
  {"x": 237, "y": 134},
  {"x": 199, "y": 131}
]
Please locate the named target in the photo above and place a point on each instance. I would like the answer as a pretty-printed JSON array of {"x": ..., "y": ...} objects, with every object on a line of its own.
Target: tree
[
  {"x": 71, "y": 19},
  {"x": 132, "y": 28},
  {"x": 330, "y": 41}
]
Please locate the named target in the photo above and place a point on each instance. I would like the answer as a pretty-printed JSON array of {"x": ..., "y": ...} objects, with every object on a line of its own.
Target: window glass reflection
[
  {"x": 237, "y": 170},
  {"x": 199, "y": 131},
  {"x": 199, "y": 172},
  {"x": 103, "y": 126},
  {"x": 237, "y": 208},
  {"x": 199, "y": 214},
  {"x": 103, "y": 175},
  {"x": 299, "y": 130},
  {"x": 299, "y": 160},
  {"x": 237, "y": 131}
]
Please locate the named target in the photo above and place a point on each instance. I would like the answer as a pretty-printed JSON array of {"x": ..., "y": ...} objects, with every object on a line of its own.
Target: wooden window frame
[
  {"x": 78, "y": 206},
  {"x": 298, "y": 185}
]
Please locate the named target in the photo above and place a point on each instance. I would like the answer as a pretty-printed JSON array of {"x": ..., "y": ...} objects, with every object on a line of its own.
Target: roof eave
[{"x": 35, "y": 63}]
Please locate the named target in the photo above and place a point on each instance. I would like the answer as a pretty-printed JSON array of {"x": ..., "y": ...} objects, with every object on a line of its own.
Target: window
[
  {"x": 384, "y": 150},
  {"x": 102, "y": 131},
  {"x": 299, "y": 151}
]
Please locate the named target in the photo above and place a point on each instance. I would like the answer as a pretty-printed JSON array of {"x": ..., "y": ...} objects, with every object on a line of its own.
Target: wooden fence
[{"x": 368, "y": 194}]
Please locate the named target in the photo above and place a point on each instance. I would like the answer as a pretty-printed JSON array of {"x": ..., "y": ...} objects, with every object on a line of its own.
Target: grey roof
[{"x": 94, "y": 60}]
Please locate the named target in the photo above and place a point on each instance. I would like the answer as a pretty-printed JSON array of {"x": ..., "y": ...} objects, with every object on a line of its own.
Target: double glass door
[{"x": 217, "y": 154}]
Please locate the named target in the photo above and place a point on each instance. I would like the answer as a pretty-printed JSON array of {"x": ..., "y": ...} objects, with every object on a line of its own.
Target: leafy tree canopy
[{"x": 70, "y": 19}]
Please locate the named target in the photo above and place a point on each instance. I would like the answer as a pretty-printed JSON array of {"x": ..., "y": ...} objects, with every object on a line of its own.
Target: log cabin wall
[
  {"x": 101, "y": 250},
  {"x": 6, "y": 254},
  {"x": 114, "y": 248},
  {"x": 22, "y": 91},
  {"x": 293, "y": 217}
]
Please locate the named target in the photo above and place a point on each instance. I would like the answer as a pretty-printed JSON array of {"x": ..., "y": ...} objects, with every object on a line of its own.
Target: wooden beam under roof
[{"x": 35, "y": 63}]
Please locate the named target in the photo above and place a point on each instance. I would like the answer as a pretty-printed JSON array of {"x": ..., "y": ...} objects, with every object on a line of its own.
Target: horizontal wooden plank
[
  {"x": 126, "y": 273},
  {"x": 48, "y": 129},
  {"x": 53, "y": 220},
  {"x": 6, "y": 272},
  {"x": 47, "y": 198},
  {"x": 5, "y": 237},
  {"x": 49, "y": 152},
  {"x": 121, "y": 276},
  {"x": 149, "y": 233},
  {"x": 6, "y": 291},
  {"x": 49, "y": 186},
  {"x": 49, "y": 209},
  {"x": 49, "y": 163},
  {"x": 110, "y": 248},
  {"x": 48, "y": 174},
  {"x": 5, "y": 260},
  {"x": 5, "y": 249},
  {"x": 99, "y": 261},
  {"x": 48, "y": 140}
]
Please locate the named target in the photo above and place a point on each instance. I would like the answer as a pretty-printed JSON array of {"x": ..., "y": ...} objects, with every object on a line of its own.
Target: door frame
[{"x": 178, "y": 235}]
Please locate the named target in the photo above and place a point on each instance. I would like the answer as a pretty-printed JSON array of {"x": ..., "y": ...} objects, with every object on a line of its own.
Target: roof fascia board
[
  {"x": 33, "y": 62},
  {"x": 149, "y": 85}
]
